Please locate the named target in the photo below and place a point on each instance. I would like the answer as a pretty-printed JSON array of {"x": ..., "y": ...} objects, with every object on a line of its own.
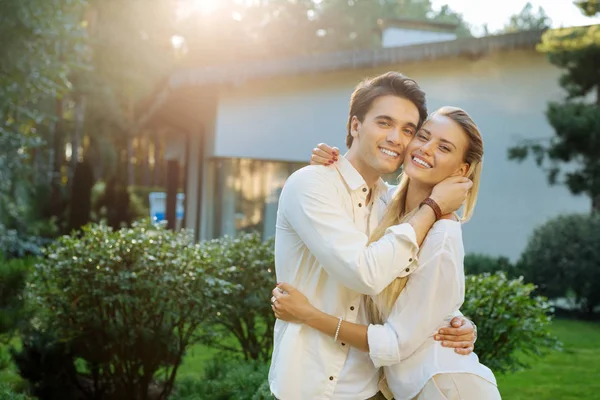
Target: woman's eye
[{"x": 445, "y": 148}]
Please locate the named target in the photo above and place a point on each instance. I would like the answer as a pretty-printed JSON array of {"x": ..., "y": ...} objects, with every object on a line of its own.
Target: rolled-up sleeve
[
  {"x": 434, "y": 293},
  {"x": 312, "y": 206}
]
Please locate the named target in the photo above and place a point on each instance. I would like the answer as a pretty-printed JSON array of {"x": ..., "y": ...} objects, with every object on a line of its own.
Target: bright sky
[{"x": 496, "y": 13}]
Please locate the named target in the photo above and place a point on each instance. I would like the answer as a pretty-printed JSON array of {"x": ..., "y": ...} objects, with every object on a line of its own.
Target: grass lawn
[{"x": 570, "y": 374}]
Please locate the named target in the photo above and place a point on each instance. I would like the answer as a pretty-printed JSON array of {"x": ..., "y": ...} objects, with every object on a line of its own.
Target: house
[{"x": 238, "y": 131}]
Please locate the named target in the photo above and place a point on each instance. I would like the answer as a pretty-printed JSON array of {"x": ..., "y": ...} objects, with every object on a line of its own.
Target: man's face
[{"x": 381, "y": 138}]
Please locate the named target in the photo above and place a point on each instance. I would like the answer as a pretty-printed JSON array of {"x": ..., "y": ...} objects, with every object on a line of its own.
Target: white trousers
[{"x": 458, "y": 386}]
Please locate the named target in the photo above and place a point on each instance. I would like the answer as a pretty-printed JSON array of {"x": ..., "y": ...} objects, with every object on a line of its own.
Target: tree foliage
[
  {"x": 559, "y": 270},
  {"x": 570, "y": 157},
  {"x": 527, "y": 19}
]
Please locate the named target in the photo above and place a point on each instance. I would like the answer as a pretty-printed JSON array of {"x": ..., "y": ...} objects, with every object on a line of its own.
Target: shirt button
[
  {"x": 343, "y": 344},
  {"x": 410, "y": 260},
  {"x": 360, "y": 204},
  {"x": 331, "y": 378},
  {"x": 407, "y": 269},
  {"x": 364, "y": 189},
  {"x": 352, "y": 308}
]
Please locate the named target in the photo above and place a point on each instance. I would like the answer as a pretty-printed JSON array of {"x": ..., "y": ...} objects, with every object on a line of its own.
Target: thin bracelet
[{"x": 337, "y": 331}]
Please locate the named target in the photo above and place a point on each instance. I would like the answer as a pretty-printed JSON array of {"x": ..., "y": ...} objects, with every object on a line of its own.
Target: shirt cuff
[{"x": 383, "y": 345}]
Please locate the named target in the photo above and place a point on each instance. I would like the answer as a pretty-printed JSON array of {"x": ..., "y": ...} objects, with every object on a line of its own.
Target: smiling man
[{"x": 322, "y": 246}]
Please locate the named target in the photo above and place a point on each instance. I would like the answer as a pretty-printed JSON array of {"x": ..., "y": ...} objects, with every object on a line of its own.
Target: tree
[
  {"x": 40, "y": 49},
  {"x": 571, "y": 156},
  {"x": 588, "y": 7},
  {"x": 265, "y": 29},
  {"x": 527, "y": 19},
  {"x": 81, "y": 196},
  {"x": 558, "y": 270}
]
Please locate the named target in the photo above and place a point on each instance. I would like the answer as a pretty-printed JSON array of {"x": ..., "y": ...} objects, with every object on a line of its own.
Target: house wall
[
  {"x": 396, "y": 37},
  {"x": 506, "y": 94}
]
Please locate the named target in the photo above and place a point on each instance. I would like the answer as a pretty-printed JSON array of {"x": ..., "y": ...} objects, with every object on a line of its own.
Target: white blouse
[{"x": 435, "y": 291}]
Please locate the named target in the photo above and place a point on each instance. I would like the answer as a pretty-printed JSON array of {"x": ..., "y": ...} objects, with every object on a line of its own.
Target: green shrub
[
  {"x": 47, "y": 365},
  {"x": 15, "y": 244},
  {"x": 224, "y": 380},
  {"x": 13, "y": 313},
  {"x": 562, "y": 256},
  {"x": 126, "y": 302},
  {"x": 13, "y": 276},
  {"x": 263, "y": 392},
  {"x": 476, "y": 264},
  {"x": 510, "y": 321},
  {"x": 249, "y": 263},
  {"x": 7, "y": 393}
]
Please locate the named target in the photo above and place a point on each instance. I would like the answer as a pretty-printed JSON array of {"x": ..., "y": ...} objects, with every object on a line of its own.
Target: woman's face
[{"x": 437, "y": 151}]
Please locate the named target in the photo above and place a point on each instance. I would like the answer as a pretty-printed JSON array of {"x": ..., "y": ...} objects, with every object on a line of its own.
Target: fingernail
[
  {"x": 330, "y": 162},
  {"x": 444, "y": 343},
  {"x": 335, "y": 159},
  {"x": 442, "y": 331},
  {"x": 437, "y": 337}
]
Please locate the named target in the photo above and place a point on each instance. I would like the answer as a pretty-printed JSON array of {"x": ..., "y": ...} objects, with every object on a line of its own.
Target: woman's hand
[
  {"x": 324, "y": 155},
  {"x": 290, "y": 305}
]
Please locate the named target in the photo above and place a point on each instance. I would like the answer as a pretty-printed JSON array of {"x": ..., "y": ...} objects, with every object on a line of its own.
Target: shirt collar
[{"x": 354, "y": 179}]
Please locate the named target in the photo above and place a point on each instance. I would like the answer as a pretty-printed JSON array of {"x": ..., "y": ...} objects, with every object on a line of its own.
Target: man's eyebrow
[
  {"x": 386, "y": 117},
  {"x": 412, "y": 125},
  {"x": 390, "y": 119}
]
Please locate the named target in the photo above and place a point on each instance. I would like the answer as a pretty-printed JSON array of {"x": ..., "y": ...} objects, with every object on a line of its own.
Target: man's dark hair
[{"x": 388, "y": 84}]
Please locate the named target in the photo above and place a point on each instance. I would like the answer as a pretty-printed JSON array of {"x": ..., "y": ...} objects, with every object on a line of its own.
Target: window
[{"x": 246, "y": 193}]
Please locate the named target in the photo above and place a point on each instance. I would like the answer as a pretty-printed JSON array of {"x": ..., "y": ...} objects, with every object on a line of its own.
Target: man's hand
[
  {"x": 460, "y": 336},
  {"x": 451, "y": 193}
]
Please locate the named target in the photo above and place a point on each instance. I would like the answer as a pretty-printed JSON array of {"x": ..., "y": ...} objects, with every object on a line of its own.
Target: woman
[{"x": 409, "y": 311}]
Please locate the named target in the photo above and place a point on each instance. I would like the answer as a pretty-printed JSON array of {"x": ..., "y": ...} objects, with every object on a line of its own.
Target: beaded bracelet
[{"x": 337, "y": 331}]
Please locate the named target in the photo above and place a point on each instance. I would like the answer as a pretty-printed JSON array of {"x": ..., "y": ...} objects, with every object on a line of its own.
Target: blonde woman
[{"x": 408, "y": 313}]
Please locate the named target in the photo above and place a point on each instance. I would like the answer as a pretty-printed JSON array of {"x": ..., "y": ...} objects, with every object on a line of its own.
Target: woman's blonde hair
[{"x": 379, "y": 309}]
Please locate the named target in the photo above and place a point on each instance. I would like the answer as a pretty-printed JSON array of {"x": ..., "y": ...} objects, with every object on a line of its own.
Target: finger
[
  {"x": 324, "y": 154},
  {"x": 455, "y": 179},
  {"x": 328, "y": 149},
  {"x": 318, "y": 160},
  {"x": 457, "y": 322},
  {"x": 465, "y": 352},
  {"x": 286, "y": 287},
  {"x": 277, "y": 294},
  {"x": 463, "y": 330},
  {"x": 468, "y": 337},
  {"x": 462, "y": 345}
]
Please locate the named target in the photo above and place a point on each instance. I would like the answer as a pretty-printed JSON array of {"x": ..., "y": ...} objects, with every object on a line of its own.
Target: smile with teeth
[
  {"x": 421, "y": 162},
  {"x": 389, "y": 152}
]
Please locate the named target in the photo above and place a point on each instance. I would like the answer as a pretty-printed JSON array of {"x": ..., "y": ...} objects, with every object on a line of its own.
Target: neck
[
  {"x": 368, "y": 174},
  {"x": 416, "y": 193}
]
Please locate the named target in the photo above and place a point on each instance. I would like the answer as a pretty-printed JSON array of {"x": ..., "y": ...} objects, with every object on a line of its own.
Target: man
[{"x": 324, "y": 220}]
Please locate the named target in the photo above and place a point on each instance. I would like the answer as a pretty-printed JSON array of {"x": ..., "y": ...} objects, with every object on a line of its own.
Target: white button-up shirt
[
  {"x": 404, "y": 345},
  {"x": 321, "y": 248}
]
